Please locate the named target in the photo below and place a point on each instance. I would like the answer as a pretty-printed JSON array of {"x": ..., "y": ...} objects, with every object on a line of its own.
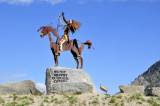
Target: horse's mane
[{"x": 53, "y": 30}]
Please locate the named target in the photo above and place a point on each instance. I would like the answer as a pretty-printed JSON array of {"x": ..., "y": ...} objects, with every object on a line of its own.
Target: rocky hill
[{"x": 150, "y": 78}]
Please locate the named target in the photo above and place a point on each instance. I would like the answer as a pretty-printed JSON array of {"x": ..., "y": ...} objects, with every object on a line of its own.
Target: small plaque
[{"x": 60, "y": 76}]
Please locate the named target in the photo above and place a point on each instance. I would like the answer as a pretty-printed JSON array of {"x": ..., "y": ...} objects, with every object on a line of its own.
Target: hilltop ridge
[{"x": 150, "y": 78}]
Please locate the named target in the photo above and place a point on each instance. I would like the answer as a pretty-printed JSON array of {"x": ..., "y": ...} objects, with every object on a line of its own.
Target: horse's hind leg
[
  {"x": 81, "y": 59},
  {"x": 75, "y": 57},
  {"x": 56, "y": 62}
]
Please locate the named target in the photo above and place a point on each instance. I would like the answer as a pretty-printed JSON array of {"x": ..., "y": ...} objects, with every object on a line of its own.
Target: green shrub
[
  {"x": 41, "y": 104},
  {"x": 132, "y": 97},
  {"x": 138, "y": 96},
  {"x": 25, "y": 103},
  {"x": 116, "y": 104},
  {"x": 112, "y": 100},
  {"x": 95, "y": 102},
  {"x": 151, "y": 101},
  {"x": 1, "y": 100},
  {"x": 22, "y": 98},
  {"x": 122, "y": 104},
  {"x": 119, "y": 96},
  {"x": 9, "y": 104},
  {"x": 77, "y": 93},
  {"x": 73, "y": 99},
  {"x": 139, "y": 102},
  {"x": 142, "y": 99},
  {"x": 45, "y": 100},
  {"x": 31, "y": 99},
  {"x": 10, "y": 96}
]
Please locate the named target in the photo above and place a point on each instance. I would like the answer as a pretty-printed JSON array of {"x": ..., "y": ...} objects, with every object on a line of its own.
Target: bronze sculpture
[
  {"x": 70, "y": 25},
  {"x": 71, "y": 45}
]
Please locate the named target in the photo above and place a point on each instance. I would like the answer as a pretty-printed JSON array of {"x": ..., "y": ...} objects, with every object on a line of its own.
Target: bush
[
  {"x": 1, "y": 100},
  {"x": 151, "y": 101},
  {"x": 119, "y": 96},
  {"x": 139, "y": 103},
  {"x": 73, "y": 99},
  {"x": 77, "y": 93},
  {"x": 122, "y": 104},
  {"x": 112, "y": 100},
  {"x": 95, "y": 102},
  {"x": 138, "y": 96}
]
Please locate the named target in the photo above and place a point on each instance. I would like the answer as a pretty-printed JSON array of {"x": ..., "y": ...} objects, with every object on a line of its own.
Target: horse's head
[{"x": 44, "y": 31}]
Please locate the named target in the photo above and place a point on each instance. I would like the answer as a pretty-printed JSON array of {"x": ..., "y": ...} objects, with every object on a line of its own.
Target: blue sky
[{"x": 124, "y": 33}]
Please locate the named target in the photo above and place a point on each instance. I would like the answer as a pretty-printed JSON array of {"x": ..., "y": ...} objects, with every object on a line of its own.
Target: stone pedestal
[{"x": 68, "y": 80}]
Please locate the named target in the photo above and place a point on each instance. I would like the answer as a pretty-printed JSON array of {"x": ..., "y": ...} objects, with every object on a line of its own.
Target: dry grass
[{"x": 78, "y": 99}]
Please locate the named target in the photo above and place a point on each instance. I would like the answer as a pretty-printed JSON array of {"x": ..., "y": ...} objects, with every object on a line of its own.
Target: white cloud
[
  {"x": 148, "y": 0},
  {"x": 42, "y": 85},
  {"x": 9, "y": 75},
  {"x": 16, "y": 1},
  {"x": 82, "y": 1},
  {"x": 135, "y": 0},
  {"x": 53, "y": 2}
]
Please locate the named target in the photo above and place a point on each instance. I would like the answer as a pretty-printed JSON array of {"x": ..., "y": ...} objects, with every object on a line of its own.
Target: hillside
[
  {"x": 78, "y": 99},
  {"x": 149, "y": 78}
]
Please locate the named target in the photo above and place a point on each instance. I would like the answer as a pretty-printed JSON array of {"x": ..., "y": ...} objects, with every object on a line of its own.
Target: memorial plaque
[{"x": 60, "y": 76}]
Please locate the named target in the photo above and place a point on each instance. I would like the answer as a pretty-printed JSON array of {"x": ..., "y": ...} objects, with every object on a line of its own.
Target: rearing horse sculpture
[{"x": 72, "y": 45}]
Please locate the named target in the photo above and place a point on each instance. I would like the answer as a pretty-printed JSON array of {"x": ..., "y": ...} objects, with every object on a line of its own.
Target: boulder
[
  {"x": 60, "y": 80},
  {"x": 130, "y": 89},
  {"x": 152, "y": 91},
  {"x": 22, "y": 87}
]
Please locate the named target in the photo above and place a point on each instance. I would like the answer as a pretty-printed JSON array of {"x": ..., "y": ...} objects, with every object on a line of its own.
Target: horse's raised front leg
[{"x": 76, "y": 58}]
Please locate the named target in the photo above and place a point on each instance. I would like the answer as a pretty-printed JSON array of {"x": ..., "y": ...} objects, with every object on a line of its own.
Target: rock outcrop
[
  {"x": 129, "y": 89},
  {"x": 22, "y": 87},
  {"x": 68, "y": 80},
  {"x": 149, "y": 78},
  {"x": 152, "y": 91}
]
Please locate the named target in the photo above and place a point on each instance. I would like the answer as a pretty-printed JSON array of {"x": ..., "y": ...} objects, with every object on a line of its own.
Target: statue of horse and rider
[{"x": 64, "y": 43}]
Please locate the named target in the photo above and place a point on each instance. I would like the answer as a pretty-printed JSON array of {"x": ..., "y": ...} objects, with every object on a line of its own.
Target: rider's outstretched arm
[
  {"x": 59, "y": 17},
  {"x": 64, "y": 18}
]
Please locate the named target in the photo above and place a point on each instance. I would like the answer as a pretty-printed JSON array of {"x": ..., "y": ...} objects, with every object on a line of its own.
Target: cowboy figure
[{"x": 70, "y": 25}]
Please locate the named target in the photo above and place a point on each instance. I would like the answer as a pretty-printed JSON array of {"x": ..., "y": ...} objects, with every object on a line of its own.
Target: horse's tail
[
  {"x": 89, "y": 43},
  {"x": 80, "y": 49}
]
